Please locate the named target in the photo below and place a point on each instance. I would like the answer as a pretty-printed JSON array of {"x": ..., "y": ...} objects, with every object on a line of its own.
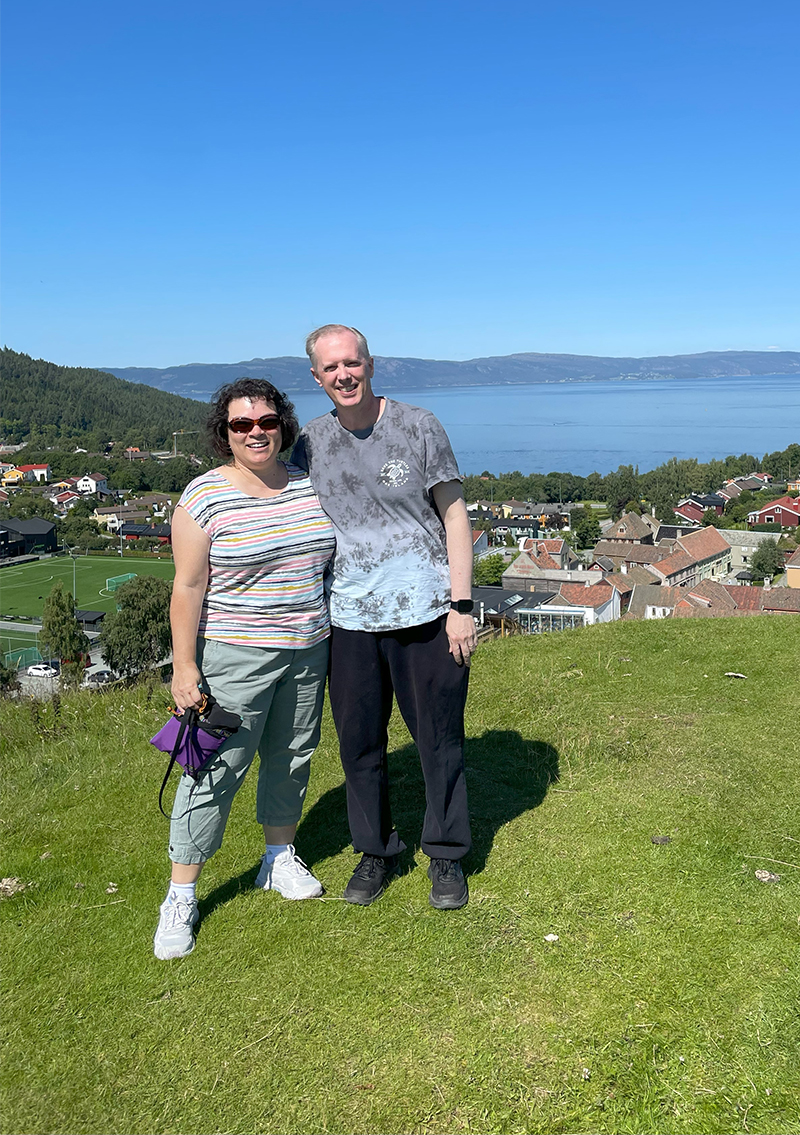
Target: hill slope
[
  {"x": 44, "y": 402},
  {"x": 668, "y": 1003},
  {"x": 199, "y": 380}
]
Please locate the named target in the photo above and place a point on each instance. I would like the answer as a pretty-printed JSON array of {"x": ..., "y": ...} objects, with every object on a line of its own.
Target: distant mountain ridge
[{"x": 200, "y": 380}]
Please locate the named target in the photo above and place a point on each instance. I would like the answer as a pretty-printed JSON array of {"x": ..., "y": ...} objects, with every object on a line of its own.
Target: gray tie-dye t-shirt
[{"x": 390, "y": 568}]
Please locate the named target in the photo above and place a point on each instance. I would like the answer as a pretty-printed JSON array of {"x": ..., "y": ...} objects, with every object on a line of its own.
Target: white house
[{"x": 93, "y": 483}]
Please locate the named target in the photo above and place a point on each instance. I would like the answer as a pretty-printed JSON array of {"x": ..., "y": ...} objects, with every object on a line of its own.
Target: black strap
[{"x": 188, "y": 720}]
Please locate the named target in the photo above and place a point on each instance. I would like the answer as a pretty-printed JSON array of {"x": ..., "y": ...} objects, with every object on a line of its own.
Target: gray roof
[
  {"x": 145, "y": 529},
  {"x": 653, "y": 595},
  {"x": 33, "y": 527},
  {"x": 741, "y": 537}
]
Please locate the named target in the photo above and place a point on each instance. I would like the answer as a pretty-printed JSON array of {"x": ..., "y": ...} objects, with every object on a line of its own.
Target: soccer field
[{"x": 24, "y": 589}]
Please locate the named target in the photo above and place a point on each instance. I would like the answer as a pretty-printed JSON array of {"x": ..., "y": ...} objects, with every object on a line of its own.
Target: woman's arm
[
  {"x": 190, "y": 547},
  {"x": 449, "y": 499}
]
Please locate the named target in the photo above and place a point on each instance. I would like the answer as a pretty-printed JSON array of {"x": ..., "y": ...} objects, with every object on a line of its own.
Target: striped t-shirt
[{"x": 266, "y": 562}]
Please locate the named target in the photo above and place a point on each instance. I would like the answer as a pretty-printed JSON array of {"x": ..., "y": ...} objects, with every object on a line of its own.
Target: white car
[{"x": 41, "y": 670}]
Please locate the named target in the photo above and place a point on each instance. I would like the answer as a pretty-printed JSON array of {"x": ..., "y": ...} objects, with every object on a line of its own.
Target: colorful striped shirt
[{"x": 266, "y": 562}]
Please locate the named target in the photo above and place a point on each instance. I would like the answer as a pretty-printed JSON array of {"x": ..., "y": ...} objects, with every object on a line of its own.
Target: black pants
[{"x": 416, "y": 666}]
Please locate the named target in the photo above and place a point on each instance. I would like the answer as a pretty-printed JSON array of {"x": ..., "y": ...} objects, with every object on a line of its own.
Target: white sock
[
  {"x": 275, "y": 849},
  {"x": 182, "y": 892}
]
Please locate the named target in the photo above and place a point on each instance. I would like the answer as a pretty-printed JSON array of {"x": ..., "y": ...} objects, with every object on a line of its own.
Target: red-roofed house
[
  {"x": 65, "y": 500},
  {"x": 480, "y": 542},
  {"x": 689, "y": 510},
  {"x": 703, "y": 554},
  {"x": 38, "y": 473},
  {"x": 676, "y": 569},
  {"x": 555, "y": 548},
  {"x": 600, "y": 601},
  {"x": 527, "y": 574},
  {"x": 745, "y": 598},
  {"x": 784, "y": 511}
]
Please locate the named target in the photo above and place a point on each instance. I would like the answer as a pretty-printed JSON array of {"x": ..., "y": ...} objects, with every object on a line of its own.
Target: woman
[{"x": 250, "y": 626}]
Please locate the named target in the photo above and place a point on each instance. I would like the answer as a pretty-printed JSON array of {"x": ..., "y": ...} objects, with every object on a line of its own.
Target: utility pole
[{"x": 175, "y": 439}]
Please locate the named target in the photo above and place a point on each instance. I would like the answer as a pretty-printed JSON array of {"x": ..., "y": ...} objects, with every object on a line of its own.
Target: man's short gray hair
[{"x": 335, "y": 329}]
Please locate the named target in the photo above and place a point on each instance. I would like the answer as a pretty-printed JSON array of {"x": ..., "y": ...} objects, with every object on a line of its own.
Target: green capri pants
[{"x": 279, "y": 696}]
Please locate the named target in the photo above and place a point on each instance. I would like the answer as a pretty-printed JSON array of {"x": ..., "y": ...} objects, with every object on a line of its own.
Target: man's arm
[{"x": 449, "y": 500}]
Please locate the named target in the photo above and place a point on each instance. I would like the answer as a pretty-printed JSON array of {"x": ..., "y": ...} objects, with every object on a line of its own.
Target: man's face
[{"x": 341, "y": 372}]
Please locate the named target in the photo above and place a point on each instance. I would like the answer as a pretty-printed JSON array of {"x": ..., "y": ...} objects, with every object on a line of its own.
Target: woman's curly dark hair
[{"x": 252, "y": 389}]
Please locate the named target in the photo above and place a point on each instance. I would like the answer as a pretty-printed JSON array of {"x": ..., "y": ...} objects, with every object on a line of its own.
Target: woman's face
[{"x": 257, "y": 449}]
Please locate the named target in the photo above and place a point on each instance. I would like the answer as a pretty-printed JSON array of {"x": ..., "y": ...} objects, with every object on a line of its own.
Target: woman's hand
[{"x": 186, "y": 680}]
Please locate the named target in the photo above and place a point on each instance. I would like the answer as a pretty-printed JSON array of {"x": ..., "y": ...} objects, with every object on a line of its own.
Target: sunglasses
[{"x": 244, "y": 425}]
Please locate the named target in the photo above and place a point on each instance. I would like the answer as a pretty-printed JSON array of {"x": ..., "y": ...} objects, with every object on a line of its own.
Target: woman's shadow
[{"x": 507, "y": 775}]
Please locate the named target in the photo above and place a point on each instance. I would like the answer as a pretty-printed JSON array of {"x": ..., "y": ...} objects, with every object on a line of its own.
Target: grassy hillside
[
  {"x": 668, "y": 1003},
  {"x": 44, "y": 403}
]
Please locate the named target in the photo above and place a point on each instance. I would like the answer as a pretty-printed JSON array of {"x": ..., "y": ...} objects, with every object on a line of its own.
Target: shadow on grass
[
  {"x": 507, "y": 775},
  {"x": 226, "y": 891}
]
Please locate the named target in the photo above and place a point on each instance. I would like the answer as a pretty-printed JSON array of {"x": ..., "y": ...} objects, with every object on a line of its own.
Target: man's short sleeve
[{"x": 440, "y": 462}]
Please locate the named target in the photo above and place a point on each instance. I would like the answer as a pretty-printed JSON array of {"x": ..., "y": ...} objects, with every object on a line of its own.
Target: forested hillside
[{"x": 45, "y": 404}]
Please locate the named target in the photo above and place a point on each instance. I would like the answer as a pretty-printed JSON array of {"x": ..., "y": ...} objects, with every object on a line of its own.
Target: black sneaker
[
  {"x": 370, "y": 879},
  {"x": 449, "y": 890}
]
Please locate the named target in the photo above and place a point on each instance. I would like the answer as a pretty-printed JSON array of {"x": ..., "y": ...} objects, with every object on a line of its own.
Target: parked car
[
  {"x": 41, "y": 670},
  {"x": 98, "y": 678}
]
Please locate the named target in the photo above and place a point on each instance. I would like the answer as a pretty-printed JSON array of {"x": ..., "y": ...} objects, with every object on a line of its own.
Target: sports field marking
[{"x": 10, "y": 587}]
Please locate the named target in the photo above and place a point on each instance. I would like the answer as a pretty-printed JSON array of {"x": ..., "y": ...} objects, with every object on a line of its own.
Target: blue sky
[{"x": 198, "y": 182}]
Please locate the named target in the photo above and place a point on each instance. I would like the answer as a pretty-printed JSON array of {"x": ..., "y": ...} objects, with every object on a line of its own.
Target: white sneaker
[
  {"x": 175, "y": 934},
  {"x": 288, "y": 874}
]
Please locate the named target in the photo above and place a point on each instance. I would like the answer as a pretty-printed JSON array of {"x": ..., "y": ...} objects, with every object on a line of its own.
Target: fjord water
[{"x": 581, "y": 427}]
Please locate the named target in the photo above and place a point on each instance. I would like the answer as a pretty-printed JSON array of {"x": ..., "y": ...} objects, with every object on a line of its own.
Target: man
[{"x": 400, "y": 599}]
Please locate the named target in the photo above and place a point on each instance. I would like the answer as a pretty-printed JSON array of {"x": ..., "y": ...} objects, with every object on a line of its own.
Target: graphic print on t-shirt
[{"x": 390, "y": 568}]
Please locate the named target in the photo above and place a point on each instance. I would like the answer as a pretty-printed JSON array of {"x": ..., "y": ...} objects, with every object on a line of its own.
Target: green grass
[
  {"x": 674, "y": 981},
  {"x": 23, "y": 589}
]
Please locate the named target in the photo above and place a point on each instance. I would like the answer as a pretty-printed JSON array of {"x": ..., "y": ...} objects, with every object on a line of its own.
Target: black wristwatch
[{"x": 463, "y": 606}]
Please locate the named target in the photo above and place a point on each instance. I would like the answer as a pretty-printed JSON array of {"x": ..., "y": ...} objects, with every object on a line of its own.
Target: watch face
[{"x": 463, "y": 606}]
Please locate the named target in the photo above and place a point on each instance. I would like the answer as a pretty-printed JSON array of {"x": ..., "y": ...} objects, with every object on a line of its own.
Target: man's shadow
[{"x": 507, "y": 775}]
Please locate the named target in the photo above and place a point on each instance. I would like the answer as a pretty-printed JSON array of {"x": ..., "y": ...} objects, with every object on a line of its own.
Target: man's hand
[{"x": 462, "y": 635}]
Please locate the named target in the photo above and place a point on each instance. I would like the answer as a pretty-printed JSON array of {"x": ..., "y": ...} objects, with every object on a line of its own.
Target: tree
[
  {"x": 710, "y": 517},
  {"x": 586, "y": 526},
  {"x": 767, "y": 560},
  {"x": 488, "y": 571},
  {"x": 61, "y": 634},
  {"x": 9, "y": 679},
  {"x": 27, "y": 506},
  {"x": 137, "y": 635}
]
